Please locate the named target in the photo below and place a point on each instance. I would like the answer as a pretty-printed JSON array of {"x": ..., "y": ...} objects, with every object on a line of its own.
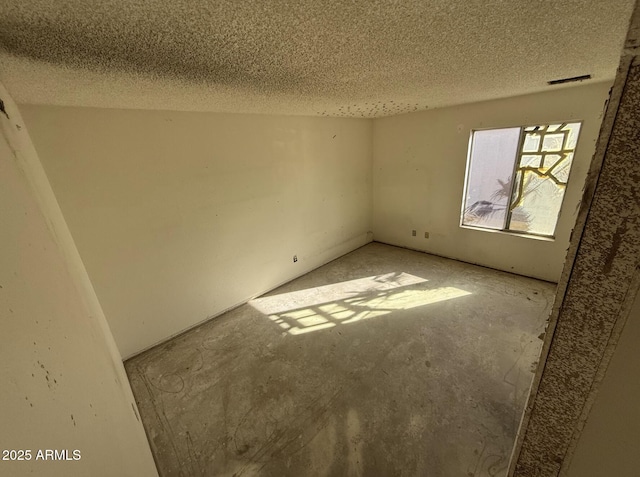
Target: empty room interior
[{"x": 315, "y": 238}]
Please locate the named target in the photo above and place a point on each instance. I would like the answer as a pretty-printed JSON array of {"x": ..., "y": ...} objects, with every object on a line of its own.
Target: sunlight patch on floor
[{"x": 342, "y": 303}]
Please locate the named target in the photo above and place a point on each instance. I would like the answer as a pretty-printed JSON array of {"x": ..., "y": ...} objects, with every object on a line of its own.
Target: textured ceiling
[{"x": 315, "y": 57}]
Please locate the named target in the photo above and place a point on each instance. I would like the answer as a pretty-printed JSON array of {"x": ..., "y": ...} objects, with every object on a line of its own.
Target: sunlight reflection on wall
[{"x": 341, "y": 303}]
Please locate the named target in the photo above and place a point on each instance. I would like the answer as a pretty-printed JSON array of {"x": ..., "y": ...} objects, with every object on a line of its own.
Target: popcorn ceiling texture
[{"x": 315, "y": 57}]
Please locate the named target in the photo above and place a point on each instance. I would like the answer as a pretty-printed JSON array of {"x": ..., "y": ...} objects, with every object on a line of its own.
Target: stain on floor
[{"x": 385, "y": 362}]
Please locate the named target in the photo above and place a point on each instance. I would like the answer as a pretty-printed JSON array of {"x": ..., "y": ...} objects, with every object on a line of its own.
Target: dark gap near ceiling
[{"x": 569, "y": 80}]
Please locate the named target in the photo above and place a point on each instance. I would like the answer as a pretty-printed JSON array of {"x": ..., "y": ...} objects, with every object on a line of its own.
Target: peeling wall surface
[
  {"x": 180, "y": 216},
  {"x": 349, "y": 58},
  {"x": 63, "y": 385},
  {"x": 419, "y": 172}
]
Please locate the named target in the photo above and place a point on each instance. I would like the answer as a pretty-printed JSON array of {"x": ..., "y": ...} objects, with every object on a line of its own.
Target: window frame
[{"x": 518, "y": 154}]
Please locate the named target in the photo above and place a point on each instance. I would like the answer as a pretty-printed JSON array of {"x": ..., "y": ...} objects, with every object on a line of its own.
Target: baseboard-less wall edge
[
  {"x": 478, "y": 264},
  {"x": 328, "y": 256}
]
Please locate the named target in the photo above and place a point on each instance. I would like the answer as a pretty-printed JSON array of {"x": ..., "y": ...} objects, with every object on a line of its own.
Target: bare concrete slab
[{"x": 385, "y": 362}]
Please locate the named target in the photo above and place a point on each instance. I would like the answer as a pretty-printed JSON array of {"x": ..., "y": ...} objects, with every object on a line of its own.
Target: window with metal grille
[{"x": 516, "y": 177}]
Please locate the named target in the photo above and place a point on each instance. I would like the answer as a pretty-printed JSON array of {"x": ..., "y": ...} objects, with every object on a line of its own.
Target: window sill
[{"x": 543, "y": 238}]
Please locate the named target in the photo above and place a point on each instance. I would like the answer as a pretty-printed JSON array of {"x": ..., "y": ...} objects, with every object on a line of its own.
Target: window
[{"x": 516, "y": 177}]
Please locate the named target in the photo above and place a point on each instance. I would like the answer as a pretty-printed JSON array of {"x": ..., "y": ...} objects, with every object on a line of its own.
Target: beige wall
[
  {"x": 179, "y": 216},
  {"x": 418, "y": 178},
  {"x": 608, "y": 444},
  {"x": 63, "y": 385}
]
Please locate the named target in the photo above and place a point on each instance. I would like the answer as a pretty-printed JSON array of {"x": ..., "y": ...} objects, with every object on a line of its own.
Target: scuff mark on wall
[
  {"x": 616, "y": 241},
  {"x": 3, "y": 111}
]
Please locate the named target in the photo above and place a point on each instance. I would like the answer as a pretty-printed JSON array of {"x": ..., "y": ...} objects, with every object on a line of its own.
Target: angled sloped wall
[{"x": 63, "y": 385}]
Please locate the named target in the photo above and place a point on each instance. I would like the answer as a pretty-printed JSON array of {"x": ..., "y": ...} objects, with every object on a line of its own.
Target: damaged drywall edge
[
  {"x": 610, "y": 111},
  {"x": 548, "y": 445},
  {"x": 630, "y": 56}
]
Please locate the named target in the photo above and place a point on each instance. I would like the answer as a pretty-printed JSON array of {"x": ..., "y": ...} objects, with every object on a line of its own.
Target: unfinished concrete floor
[{"x": 385, "y": 362}]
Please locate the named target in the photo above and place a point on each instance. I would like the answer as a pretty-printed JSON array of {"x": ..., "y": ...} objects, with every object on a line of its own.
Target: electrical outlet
[
  {"x": 413, "y": 232},
  {"x": 295, "y": 258},
  {"x": 426, "y": 235}
]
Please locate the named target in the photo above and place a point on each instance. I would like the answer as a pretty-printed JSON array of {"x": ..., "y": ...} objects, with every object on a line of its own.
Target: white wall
[
  {"x": 179, "y": 216},
  {"x": 418, "y": 178},
  {"x": 608, "y": 444},
  {"x": 63, "y": 385}
]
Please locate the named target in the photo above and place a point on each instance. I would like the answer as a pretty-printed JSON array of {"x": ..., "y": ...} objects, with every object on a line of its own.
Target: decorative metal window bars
[
  {"x": 545, "y": 153},
  {"x": 534, "y": 192}
]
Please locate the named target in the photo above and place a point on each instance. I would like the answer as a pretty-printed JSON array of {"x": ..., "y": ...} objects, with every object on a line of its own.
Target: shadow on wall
[{"x": 314, "y": 309}]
